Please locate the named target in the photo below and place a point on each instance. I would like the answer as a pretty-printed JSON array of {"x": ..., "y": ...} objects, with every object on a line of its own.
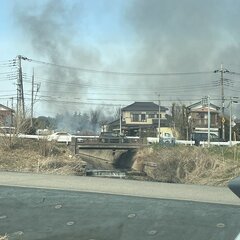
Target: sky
[{"x": 106, "y": 54}]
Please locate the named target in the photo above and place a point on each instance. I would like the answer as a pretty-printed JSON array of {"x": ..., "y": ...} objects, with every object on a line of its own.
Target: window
[
  {"x": 135, "y": 117},
  {"x": 143, "y": 117},
  {"x": 202, "y": 115}
]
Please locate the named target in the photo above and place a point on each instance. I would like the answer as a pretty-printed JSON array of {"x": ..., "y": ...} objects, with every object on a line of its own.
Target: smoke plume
[
  {"x": 153, "y": 36},
  {"x": 185, "y": 36},
  {"x": 51, "y": 29}
]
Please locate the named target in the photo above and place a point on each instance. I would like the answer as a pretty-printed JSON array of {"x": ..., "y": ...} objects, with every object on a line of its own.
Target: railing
[
  {"x": 107, "y": 140},
  {"x": 130, "y": 140},
  {"x": 203, "y": 123},
  {"x": 205, "y": 143}
]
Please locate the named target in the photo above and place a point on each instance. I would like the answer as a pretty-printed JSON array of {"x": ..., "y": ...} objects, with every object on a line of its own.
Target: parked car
[
  {"x": 167, "y": 138},
  {"x": 63, "y": 137},
  {"x": 203, "y": 136},
  {"x": 111, "y": 137},
  {"x": 80, "y": 140}
]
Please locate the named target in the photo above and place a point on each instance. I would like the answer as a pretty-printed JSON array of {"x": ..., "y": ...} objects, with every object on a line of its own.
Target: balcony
[{"x": 203, "y": 123}]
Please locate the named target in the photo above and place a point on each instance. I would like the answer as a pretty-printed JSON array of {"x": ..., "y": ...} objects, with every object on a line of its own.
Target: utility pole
[
  {"x": 222, "y": 71},
  {"x": 12, "y": 111},
  {"x": 32, "y": 99},
  {"x": 18, "y": 98},
  {"x": 231, "y": 119},
  {"x": 11, "y": 102},
  {"x": 20, "y": 102},
  {"x": 222, "y": 89},
  {"x": 209, "y": 120},
  {"x": 222, "y": 97},
  {"x": 230, "y": 123},
  {"x": 159, "y": 117},
  {"x": 17, "y": 118},
  {"x": 120, "y": 119}
]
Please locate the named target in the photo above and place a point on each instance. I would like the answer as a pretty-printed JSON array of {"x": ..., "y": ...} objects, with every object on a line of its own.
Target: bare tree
[
  {"x": 179, "y": 118},
  {"x": 95, "y": 118}
]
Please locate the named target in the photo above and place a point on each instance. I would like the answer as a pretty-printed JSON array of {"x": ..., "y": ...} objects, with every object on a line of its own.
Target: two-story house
[
  {"x": 141, "y": 119},
  {"x": 6, "y": 116},
  {"x": 198, "y": 118}
]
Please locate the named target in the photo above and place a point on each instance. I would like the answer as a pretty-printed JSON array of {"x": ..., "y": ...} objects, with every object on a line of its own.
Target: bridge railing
[{"x": 106, "y": 140}]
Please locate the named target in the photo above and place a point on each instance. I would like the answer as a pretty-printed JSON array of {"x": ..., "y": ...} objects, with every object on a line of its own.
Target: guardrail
[
  {"x": 106, "y": 140},
  {"x": 137, "y": 140},
  {"x": 20, "y": 135},
  {"x": 205, "y": 143}
]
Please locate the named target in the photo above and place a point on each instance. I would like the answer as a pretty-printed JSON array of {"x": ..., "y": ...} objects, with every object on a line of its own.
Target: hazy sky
[{"x": 121, "y": 36}]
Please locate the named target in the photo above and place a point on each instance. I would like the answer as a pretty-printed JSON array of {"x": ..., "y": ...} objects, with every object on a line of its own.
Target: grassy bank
[
  {"x": 178, "y": 164},
  {"x": 189, "y": 164},
  {"x": 39, "y": 156}
]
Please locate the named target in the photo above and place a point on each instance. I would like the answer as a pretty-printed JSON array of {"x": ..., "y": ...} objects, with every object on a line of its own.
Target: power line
[
  {"x": 7, "y": 61},
  {"x": 55, "y": 98},
  {"x": 7, "y": 90},
  {"x": 129, "y": 100},
  {"x": 115, "y": 72},
  {"x": 234, "y": 73},
  {"x": 6, "y": 95},
  {"x": 129, "y": 90},
  {"x": 75, "y": 102},
  {"x": 6, "y": 72},
  {"x": 108, "y": 94},
  {"x": 105, "y": 86}
]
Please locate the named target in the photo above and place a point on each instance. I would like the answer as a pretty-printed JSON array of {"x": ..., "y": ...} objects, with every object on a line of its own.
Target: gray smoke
[
  {"x": 185, "y": 36},
  {"x": 158, "y": 36},
  {"x": 51, "y": 27}
]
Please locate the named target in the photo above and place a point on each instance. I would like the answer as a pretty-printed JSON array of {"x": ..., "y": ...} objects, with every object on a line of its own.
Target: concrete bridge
[
  {"x": 95, "y": 144},
  {"x": 109, "y": 146}
]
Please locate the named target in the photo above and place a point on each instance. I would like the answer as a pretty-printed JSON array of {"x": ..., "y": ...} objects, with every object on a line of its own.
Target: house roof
[
  {"x": 117, "y": 121},
  {"x": 144, "y": 106},
  {"x": 200, "y": 105},
  {"x": 5, "y": 108}
]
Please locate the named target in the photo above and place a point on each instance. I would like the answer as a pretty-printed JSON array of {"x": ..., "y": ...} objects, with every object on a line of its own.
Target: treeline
[{"x": 77, "y": 122}]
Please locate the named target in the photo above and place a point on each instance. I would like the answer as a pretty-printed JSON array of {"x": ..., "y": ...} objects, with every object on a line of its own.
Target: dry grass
[
  {"x": 42, "y": 157},
  {"x": 183, "y": 164},
  {"x": 64, "y": 165},
  {"x": 180, "y": 164},
  {"x": 5, "y": 237}
]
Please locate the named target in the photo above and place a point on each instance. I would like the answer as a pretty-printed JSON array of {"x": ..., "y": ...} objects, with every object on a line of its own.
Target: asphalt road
[
  {"x": 37, "y": 212},
  {"x": 121, "y": 187}
]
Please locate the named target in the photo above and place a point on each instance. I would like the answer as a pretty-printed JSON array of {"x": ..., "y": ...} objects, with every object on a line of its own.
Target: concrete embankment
[{"x": 108, "y": 159}]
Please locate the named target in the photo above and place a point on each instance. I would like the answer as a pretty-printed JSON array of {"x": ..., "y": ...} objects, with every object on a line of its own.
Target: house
[
  {"x": 141, "y": 119},
  {"x": 6, "y": 116},
  {"x": 236, "y": 129},
  {"x": 197, "y": 114}
]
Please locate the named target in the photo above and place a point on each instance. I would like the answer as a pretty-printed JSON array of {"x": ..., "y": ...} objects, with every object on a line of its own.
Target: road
[
  {"x": 121, "y": 187},
  {"x": 34, "y": 206}
]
